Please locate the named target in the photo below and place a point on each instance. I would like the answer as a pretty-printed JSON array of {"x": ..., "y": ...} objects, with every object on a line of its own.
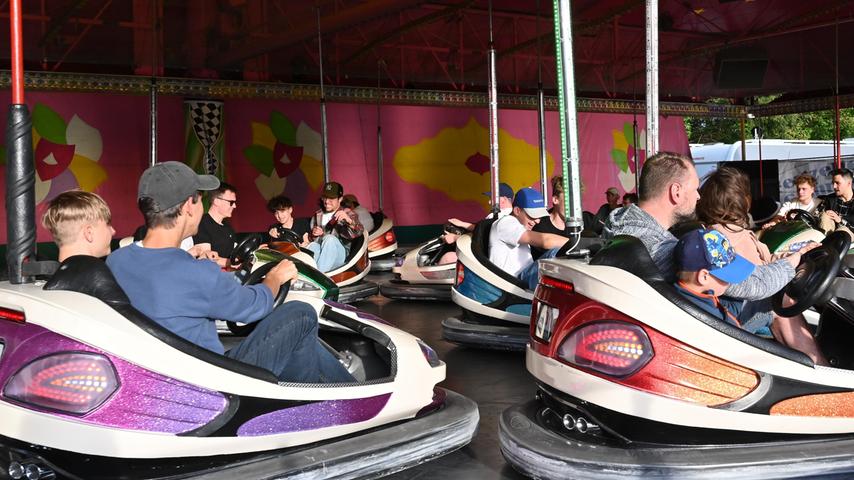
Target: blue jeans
[
  {"x": 531, "y": 273},
  {"x": 756, "y": 316},
  {"x": 285, "y": 342},
  {"x": 329, "y": 253}
]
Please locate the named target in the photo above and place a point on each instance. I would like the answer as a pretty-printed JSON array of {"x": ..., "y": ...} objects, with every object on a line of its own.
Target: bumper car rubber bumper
[
  {"x": 415, "y": 291},
  {"x": 357, "y": 291},
  {"x": 540, "y": 453},
  {"x": 371, "y": 454},
  {"x": 506, "y": 337},
  {"x": 383, "y": 263}
]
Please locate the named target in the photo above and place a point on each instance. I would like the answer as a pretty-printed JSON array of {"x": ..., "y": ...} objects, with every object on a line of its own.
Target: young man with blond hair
[{"x": 80, "y": 223}]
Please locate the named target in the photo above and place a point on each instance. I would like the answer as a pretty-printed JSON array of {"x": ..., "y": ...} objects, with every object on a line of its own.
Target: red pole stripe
[{"x": 17, "y": 52}]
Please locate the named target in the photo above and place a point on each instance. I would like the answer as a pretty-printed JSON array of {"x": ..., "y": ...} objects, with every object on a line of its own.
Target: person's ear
[
  {"x": 675, "y": 192},
  {"x": 187, "y": 206},
  {"x": 88, "y": 232}
]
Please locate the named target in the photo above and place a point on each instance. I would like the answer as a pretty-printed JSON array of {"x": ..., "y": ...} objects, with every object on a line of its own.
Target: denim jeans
[
  {"x": 285, "y": 342},
  {"x": 329, "y": 253},
  {"x": 531, "y": 273}
]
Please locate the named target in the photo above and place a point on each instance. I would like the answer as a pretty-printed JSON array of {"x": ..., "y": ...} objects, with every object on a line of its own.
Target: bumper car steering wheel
[
  {"x": 813, "y": 276},
  {"x": 804, "y": 216},
  {"x": 254, "y": 278},
  {"x": 243, "y": 251},
  {"x": 287, "y": 235}
]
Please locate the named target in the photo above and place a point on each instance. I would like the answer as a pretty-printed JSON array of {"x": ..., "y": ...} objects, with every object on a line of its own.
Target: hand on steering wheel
[{"x": 813, "y": 276}]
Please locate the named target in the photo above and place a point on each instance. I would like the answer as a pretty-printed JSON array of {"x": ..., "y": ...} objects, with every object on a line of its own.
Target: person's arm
[
  {"x": 765, "y": 281},
  {"x": 228, "y": 300},
  {"x": 546, "y": 241}
]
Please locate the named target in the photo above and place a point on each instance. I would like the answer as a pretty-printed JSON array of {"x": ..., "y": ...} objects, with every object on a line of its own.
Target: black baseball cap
[
  {"x": 170, "y": 183},
  {"x": 332, "y": 190}
]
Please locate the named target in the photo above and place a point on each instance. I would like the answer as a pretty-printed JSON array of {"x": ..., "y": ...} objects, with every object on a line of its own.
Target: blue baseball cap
[
  {"x": 532, "y": 202},
  {"x": 504, "y": 190},
  {"x": 709, "y": 249}
]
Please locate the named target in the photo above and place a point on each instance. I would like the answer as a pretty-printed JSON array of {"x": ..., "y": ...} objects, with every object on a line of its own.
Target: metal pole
[
  {"x": 567, "y": 115},
  {"x": 493, "y": 119},
  {"x": 20, "y": 169},
  {"x": 541, "y": 114},
  {"x": 541, "y": 122},
  {"x": 152, "y": 122},
  {"x": 651, "y": 77},
  {"x": 323, "y": 129},
  {"x": 379, "y": 137},
  {"x": 637, "y": 148},
  {"x": 837, "y": 144}
]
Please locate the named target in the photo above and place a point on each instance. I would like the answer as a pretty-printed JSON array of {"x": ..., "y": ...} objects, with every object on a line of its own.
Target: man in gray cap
[{"x": 182, "y": 293}]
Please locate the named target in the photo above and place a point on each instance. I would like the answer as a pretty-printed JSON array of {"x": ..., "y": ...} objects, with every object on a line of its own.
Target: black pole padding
[{"x": 20, "y": 193}]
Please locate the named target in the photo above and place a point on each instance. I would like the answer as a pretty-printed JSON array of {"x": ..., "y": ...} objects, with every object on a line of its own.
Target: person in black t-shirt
[
  {"x": 555, "y": 222},
  {"x": 214, "y": 228},
  {"x": 837, "y": 210},
  {"x": 282, "y": 208}
]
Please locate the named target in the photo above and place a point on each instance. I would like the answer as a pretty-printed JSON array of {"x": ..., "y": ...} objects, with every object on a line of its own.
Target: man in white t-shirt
[{"x": 510, "y": 237}]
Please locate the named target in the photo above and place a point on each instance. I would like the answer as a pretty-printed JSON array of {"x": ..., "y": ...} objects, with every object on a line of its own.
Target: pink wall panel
[{"x": 435, "y": 158}]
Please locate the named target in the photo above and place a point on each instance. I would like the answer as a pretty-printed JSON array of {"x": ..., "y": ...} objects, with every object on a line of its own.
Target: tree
[{"x": 797, "y": 126}]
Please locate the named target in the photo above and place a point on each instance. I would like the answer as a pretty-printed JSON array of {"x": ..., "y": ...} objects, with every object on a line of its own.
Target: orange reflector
[{"x": 820, "y": 405}]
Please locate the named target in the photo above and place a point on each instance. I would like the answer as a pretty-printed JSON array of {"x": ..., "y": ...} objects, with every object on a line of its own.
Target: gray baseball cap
[{"x": 170, "y": 183}]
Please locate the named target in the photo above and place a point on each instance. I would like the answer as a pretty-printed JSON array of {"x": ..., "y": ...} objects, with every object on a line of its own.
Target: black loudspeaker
[{"x": 740, "y": 68}]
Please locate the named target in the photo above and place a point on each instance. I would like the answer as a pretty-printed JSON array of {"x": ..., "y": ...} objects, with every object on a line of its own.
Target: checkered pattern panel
[{"x": 206, "y": 118}]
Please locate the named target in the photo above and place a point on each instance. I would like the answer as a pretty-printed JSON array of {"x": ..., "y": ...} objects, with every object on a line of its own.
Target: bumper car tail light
[
  {"x": 613, "y": 348},
  {"x": 429, "y": 354},
  {"x": 12, "y": 315},
  {"x": 461, "y": 275},
  {"x": 389, "y": 237},
  {"x": 555, "y": 283},
  {"x": 75, "y": 383}
]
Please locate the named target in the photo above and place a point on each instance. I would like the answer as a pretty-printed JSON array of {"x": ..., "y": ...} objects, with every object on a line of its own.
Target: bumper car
[
  {"x": 496, "y": 305},
  {"x": 637, "y": 381},
  {"x": 91, "y": 388},
  {"x": 350, "y": 277},
  {"x": 800, "y": 227},
  {"x": 418, "y": 275},
  {"x": 381, "y": 243}
]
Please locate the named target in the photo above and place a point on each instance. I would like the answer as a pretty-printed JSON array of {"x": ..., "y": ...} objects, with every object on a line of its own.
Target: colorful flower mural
[
  {"x": 456, "y": 162},
  {"x": 624, "y": 153},
  {"x": 66, "y": 154},
  {"x": 286, "y": 158}
]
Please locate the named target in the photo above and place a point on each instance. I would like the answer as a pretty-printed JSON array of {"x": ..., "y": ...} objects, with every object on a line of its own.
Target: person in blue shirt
[
  {"x": 186, "y": 295},
  {"x": 705, "y": 266}
]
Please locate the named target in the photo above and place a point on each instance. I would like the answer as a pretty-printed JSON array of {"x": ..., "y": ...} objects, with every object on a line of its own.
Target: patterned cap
[{"x": 710, "y": 250}]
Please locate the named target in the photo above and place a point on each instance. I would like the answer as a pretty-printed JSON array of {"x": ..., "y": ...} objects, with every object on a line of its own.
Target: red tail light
[
  {"x": 603, "y": 341},
  {"x": 389, "y": 236},
  {"x": 613, "y": 348},
  {"x": 461, "y": 273},
  {"x": 555, "y": 283},
  {"x": 12, "y": 315},
  {"x": 70, "y": 382}
]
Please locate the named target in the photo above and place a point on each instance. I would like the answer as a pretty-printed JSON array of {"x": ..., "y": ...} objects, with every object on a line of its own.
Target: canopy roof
[{"x": 708, "y": 48}]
